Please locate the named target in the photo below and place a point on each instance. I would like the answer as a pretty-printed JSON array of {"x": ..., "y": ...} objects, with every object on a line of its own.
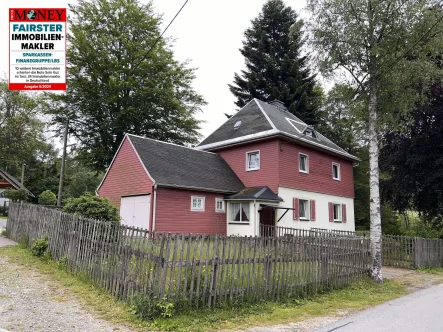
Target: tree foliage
[
  {"x": 118, "y": 83},
  {"x": 339, "y": 122},
  {"x": 91, "y": 206},
  {"x": 413, "y": 161},
  {"x": 21, "y": 131},
  {"x": 47, "y": 198},
  {"x": 275, "y": 66},
  {"x": 20, "y": 195},
  {"x": 370, "y": 41}
]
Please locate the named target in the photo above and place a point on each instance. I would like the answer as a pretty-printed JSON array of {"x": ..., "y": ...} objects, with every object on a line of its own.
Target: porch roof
[{"x": 255, "y": 193}]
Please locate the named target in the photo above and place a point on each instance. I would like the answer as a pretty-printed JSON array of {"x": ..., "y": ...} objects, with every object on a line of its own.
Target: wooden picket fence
[
  {"x": 192, "y": 270},
  {"x": 266, "y": 230},
  {"x": 411, "y": 252}
]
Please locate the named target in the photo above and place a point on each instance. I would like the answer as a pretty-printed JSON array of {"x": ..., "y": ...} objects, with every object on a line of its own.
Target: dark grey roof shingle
[
  {"x": 252, "y": 121},
  {"x": 256, "y": 193},
  {"x": 174, "y": 165},
  {"x": 263, "y": 119}
]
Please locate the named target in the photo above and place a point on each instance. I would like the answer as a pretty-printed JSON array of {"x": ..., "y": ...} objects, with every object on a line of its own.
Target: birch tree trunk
[{"x": 375, "y": 236}]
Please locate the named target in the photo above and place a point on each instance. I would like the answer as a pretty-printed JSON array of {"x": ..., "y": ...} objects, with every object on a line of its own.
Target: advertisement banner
[{"x": 37, "y": 49}]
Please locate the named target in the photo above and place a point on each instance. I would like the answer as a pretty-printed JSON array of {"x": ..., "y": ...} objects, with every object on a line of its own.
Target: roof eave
[
  {"x": 177, "y": 186},
  {"x": 254, "y": 199}
]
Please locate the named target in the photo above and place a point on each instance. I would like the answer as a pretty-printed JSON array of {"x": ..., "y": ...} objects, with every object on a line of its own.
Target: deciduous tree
[
  {"x": 383, "y": 48},
  {"x": 119, "y": 82}
]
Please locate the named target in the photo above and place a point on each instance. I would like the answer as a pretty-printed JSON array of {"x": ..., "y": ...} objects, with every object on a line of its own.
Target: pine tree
[{"x": 275, "y": 68}]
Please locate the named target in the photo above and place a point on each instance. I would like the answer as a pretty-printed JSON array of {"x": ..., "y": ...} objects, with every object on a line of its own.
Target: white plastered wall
[{"x": 321, "y": 207}]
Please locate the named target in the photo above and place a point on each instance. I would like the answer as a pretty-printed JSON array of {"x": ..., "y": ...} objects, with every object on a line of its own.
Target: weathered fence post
[
  {"x": 125, "y": 273},
  {"x": 324, "y": 268},
  {"x": 416, "y": 250},
  {"x": 213, "y": 286}
]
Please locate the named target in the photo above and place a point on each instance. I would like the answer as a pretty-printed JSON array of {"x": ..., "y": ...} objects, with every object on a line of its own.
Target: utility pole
[
  {"x": 62, "y": 169},
  {"x": 23, "y": 174}
]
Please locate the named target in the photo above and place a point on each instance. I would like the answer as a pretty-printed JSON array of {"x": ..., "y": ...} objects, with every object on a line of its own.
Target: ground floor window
[
  {"x": 219, "y": 205},
  {"x": 197, "y": 203},
  {"x": 337, "y": 212},
  {"x": 303, "y": 209},
  {"x": 239, "y": 212}
]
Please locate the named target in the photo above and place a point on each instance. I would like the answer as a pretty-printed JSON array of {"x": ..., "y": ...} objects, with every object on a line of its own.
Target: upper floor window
[
  {"x": 253, "y": 160},
  {"x": 336, "y": 171},
  {"x": 197, "y": 203},
  {"x": 219, "y": 205},
  {"x": 303, "y": 163}
]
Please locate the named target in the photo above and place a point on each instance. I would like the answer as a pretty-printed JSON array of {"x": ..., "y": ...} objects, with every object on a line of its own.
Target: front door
[{"x": 267, "y": 221}]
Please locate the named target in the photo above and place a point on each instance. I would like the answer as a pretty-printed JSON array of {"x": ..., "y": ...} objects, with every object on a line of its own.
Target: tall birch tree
[{"x": 385, "y": 49}]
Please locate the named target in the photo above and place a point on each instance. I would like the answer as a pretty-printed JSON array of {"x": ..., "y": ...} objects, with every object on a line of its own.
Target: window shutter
[
  {"x": 296, "y": 206},
  {"x": 343, "y": 212},
  {"x": 331, "y": 212},
  {"x": 312, "y": 210}
]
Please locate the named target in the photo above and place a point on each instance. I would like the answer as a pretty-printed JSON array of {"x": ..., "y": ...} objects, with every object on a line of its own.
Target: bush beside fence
[{"x": 193, "y": 270}]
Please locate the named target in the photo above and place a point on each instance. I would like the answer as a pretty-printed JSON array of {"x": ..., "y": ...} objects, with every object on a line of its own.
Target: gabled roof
[
  {"x": 13, "y": 181},
  {"x": 172, "y": 165},
  {"x": 255, "y": 193},
  {"x": 261, "y": 120}
]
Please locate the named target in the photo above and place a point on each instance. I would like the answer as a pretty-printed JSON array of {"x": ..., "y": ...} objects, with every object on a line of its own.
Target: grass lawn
[{"x": 356, "y": 297}]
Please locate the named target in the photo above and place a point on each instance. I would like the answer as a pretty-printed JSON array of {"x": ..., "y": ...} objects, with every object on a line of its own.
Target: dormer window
[{"x": 309, "y": 131}]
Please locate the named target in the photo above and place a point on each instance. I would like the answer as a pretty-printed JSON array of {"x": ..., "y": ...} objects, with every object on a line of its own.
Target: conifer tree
[{"x": 275, "y": 67}]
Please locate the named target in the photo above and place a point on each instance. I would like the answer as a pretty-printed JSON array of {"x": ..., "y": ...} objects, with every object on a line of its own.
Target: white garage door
[{"x": 135, "y": 210}]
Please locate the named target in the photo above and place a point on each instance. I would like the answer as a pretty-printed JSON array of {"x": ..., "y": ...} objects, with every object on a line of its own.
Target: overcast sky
[{"x": 209, "y": 33}]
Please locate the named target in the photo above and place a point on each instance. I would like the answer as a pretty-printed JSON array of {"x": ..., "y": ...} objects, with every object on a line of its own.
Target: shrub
[
  {"x": 47, "y": 198},
  {"x": 151, "y": 307},
  {"x": 17, "y": 195},
  {"x": 40, "y": 246},
  {"x": 91, "y": 206}
]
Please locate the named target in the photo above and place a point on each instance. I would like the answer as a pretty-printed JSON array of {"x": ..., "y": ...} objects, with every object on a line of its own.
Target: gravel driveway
[{"x": 30, "y": 301}]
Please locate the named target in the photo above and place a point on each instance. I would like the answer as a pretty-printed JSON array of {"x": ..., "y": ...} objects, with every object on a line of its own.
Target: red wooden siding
[
  {"x": 125, "y": 177},
  {"x": 174, "y": 213},
  {"x": 267, "y": 175},
  {"x": 319, "y": 179}
]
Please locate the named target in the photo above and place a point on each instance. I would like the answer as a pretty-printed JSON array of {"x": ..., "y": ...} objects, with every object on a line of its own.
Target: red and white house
[{"x": 263, "y": 166}]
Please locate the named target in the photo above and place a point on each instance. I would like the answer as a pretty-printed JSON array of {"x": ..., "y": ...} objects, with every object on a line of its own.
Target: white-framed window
[
  {"x": 240, "y": 212},
  {"x": 336, "y": 171},
  {"x": 303, "y": 209},
  {"x": 337, "y": 210},
  {"x": 252, "y": 160},
  {"x": 219, "y": 205},
  {"x": 303, "y": 163},
  {"x": 197, "y": 203}
]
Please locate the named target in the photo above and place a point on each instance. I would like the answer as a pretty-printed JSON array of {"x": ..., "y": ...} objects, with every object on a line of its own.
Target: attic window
[
  {"x": 237, "y": 125},
  {"x": 310, "y": 132}
]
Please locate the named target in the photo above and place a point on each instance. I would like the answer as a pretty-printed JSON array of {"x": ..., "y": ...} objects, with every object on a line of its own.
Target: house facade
[{"x": 263, "y": 166}]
